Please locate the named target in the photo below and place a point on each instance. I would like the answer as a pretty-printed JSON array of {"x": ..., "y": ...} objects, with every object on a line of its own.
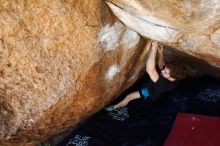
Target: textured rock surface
[
  {"x": 190, "y": 26},
  {"x": 60, "y": 61}
]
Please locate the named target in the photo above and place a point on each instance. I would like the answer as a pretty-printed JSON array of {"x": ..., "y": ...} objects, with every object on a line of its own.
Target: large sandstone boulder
[
  {"x": 189, "y": 26},
  {"x": 60, "y": 61}
]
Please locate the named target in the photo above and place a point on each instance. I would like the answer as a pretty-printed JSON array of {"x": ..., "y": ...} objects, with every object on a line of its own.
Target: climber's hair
[
  {"x": 181, "y": 71},
  {"x": 181, "y": 65}
]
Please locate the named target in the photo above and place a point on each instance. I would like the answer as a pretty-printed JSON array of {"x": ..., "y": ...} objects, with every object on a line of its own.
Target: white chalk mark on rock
[
  {"x": 112, "y": 71},
  {"x": 109, "y": 36},
  {"x": 130, "y": 38}
]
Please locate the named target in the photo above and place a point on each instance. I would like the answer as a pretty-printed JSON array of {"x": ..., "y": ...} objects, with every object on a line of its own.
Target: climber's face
[{"x": 166, "y": 74}]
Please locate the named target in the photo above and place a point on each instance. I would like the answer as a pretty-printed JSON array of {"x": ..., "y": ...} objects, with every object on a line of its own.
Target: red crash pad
[{"x": 194, "y": 130}]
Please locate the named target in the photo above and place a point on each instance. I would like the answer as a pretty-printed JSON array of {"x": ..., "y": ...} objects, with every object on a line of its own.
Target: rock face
[
  {"x": 190, "y": 26},
  {"x": 61, "y": 61}
]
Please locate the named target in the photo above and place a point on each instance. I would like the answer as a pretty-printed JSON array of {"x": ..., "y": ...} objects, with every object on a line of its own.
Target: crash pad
[{"x": 194, "y": 130}]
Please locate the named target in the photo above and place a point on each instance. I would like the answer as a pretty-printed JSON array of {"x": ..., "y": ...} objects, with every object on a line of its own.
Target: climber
[{"x": 158, "y": 83}]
